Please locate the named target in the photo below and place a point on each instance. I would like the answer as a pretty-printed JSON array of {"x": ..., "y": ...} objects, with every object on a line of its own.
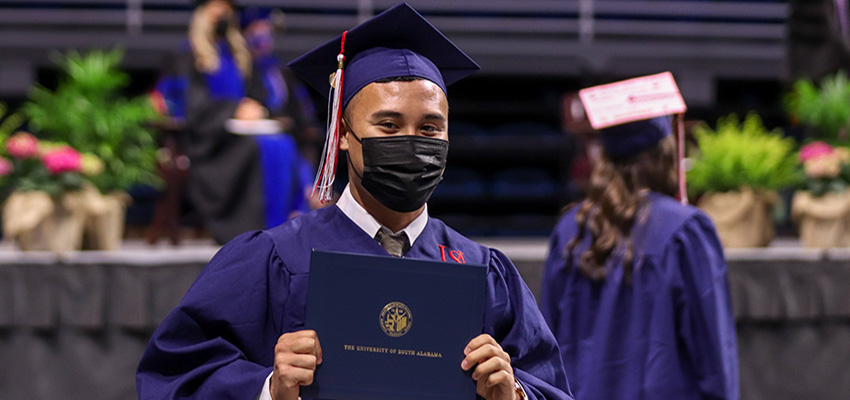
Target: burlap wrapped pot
[
  {"x": 104, "y": 228},
  {"x": 742, "y": 218},
  {"x": 824, "y": 221},
  {"x": 38, "y": 222}
]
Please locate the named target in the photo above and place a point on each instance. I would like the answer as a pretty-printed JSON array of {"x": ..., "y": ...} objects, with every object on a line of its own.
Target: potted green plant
[
  {"x": 88, "y": 111},
  {"x": 47, "y": 206},
  {"x": 825, "y": 108},
  {"x": 823, "y": 210},
  {"x": 8, "y": 124},
  {"x": 738, "y": 168}
]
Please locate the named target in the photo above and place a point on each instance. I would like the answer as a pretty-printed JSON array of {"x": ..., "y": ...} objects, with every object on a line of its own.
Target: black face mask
[
  {"x": 221, "y": 27},
  {"x": 401, "y": 172}
]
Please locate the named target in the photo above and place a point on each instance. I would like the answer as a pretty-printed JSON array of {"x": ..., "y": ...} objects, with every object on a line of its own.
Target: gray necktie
[{"x": 395, "y": 244}]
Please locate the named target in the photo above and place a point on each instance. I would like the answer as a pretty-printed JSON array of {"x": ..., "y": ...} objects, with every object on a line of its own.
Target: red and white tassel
[{"x": 323, "y": 186}]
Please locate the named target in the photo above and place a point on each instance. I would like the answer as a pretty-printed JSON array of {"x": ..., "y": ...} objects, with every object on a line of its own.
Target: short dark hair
[{"x": 408, "y": 78}]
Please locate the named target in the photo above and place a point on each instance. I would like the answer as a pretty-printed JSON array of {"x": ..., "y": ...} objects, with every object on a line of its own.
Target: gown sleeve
[
  {"x": 205, "y": 118},
  {"x": 255, "y": 89},
  {"x": 219, "y": 341},
  {"x": 552, "y": 290},
  {"x": 172, "y": 87},
  {"x": 206, "y": 114},
  {"x": 704, "y": 318},
  {"x": 513, "y": 319}
]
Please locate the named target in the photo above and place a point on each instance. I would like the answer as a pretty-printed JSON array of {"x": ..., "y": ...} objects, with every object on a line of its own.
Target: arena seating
[{"x": 698, "y": 40}]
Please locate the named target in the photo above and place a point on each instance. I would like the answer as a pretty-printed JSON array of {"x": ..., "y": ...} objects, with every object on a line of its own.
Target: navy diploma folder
[{"x": 392, "y": 328}]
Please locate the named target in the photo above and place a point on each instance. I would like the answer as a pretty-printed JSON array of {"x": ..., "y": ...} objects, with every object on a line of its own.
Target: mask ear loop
[
  {"x": 351, "y": 131},
  {"x": 354, "y": 169},
  {"x": 323, "y": 186}
]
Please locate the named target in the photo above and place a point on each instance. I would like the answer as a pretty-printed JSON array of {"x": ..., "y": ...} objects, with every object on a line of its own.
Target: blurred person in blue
[
  {"x": 236, "y": 183},
  {"x": 288, "y": 101},
  {"x": 239, "y": 331},
  {"x": 635, "y": 285}
]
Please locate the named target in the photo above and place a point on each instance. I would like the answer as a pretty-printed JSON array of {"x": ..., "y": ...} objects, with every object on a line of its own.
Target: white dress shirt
[{"x": 357, "y": 214}]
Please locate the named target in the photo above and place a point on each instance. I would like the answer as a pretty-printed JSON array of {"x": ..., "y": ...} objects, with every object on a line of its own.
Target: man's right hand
[{"x": 296, "y": 356}]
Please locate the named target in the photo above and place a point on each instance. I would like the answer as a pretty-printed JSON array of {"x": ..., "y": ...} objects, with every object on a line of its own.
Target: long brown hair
[{"x": 615, "y": 199}]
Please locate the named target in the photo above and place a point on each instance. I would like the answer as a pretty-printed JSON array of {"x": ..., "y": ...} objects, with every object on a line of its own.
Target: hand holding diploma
[
  {"x": 296, "y": 356},
  {"x": 493, "y": 374}
]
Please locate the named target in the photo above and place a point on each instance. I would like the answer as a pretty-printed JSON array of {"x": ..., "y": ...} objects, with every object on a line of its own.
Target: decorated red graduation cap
[
  {"x": 633, "y": 115},
  {"x": 398, "y": 42}
]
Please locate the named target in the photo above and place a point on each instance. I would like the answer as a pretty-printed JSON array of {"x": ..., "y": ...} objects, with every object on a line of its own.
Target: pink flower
[
  {"x": 814, "y": 150},
  {"x": 63, "y": 159},
  {"x": 5, "y": 167},
  {"x": 22, "y": 145}
]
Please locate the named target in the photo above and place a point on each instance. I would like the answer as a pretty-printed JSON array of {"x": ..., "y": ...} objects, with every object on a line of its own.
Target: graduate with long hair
[{"x": 635, "y": 284}]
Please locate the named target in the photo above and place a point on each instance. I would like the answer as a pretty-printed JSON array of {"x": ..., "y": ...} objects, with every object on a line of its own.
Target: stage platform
[{"x": 73, "y": 326}]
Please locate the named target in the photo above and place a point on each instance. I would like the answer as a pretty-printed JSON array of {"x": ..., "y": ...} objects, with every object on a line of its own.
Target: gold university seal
[{"x": 396, "y": 319}]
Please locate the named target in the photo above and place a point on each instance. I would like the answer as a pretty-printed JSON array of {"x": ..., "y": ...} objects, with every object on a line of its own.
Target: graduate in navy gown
[
  {"x": 635, "y": 286},
  {"x": 239, "y": 331}
]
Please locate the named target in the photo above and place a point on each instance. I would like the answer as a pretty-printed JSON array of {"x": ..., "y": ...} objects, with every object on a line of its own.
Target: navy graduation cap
[
  {"x": 629, "y": 139},
  {"x": 397, "y": 42}
]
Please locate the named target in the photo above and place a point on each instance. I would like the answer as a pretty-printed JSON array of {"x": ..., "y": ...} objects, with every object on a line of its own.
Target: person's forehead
[
  {"x": 409, "y": 88},
  {"x": 420, "y": 91}
]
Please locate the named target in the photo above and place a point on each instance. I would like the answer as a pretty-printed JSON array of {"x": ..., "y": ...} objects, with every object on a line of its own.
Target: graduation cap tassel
[
  {"x": 323, "y": 187},
  {"x": 680, "y": 158}
]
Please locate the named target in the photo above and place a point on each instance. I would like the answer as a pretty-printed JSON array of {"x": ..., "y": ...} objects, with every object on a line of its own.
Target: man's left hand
[{"x": 493, "y": 372}]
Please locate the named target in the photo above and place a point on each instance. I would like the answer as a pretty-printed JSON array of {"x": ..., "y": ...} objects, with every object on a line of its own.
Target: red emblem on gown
[{"x": 455, "y": 255}]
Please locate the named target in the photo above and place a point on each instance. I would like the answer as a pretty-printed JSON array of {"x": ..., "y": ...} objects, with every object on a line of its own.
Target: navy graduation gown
[
  {"x": 668, "y": 335},
  {"x": 219, "y": 341}
]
